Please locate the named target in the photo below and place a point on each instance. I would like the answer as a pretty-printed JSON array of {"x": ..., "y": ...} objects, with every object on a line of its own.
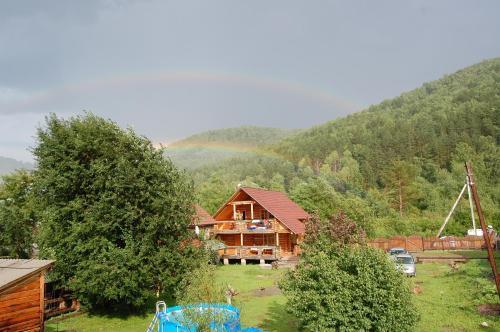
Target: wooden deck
[
  {"x": 250, "y": 252},
  {"x": 245, "y": 226},
  {"x": 245, "y": 231}
]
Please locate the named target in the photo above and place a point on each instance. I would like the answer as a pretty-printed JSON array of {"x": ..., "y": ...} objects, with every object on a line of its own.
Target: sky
[{"x": 170, "y": 69}]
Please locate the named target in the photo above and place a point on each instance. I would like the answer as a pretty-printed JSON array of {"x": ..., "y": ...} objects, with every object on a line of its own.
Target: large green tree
[
  {"x": 114, "y": 212},
  {"x": 17, "y": 215}
]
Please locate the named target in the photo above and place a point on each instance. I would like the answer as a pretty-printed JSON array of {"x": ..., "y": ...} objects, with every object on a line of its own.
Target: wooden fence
[
  {"x": 420, "y": 243},
  {"x": 58, "y": 301}
]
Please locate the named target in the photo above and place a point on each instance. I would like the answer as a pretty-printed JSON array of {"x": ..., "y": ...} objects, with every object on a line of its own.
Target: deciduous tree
[
  {"x": 17, "y": 215},
  {"x": 114, "y": 212}
]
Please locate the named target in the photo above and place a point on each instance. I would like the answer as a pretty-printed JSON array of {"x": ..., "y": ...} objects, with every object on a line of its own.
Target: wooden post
[
  {"x": 234, "y": 211},
  {"x": 277, "y": 239},
  {"x": 486, "y": 236},
  {"x": 241, "y": 239},
  {"x": 42, "y": 300},
  {"x": 251, "y": 210}
]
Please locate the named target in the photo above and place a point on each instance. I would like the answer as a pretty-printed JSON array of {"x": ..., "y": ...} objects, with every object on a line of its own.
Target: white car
[{"x": 407, "y": 265}]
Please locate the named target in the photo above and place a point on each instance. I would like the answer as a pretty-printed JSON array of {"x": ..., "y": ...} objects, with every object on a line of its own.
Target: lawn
[{"x": 447, "y": 301}]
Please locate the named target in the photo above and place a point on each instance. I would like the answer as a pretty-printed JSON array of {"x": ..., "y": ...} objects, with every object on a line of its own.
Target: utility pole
[
  {"x": 487, "y": 240},
  {"x": 452, "y": 209}
]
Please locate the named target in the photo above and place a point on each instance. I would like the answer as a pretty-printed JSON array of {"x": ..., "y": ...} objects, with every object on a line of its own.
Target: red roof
[
  {"x": 202, "y": 217},
  {"x": 280, "y": 206}
]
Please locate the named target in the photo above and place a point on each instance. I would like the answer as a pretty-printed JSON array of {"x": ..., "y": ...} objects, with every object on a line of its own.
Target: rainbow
[
  {"x": 266, "y": 83},
  {"x": 222, "y": 147},
  {"x": 219, "y": 146}
]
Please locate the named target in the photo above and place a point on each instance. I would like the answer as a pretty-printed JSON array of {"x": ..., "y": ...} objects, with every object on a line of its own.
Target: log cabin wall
[
  {"x": 285, "y": 244},
  {"x": 22, "y": 305},
  {"x": 259, "y": 240},
  {"x": 230, "y": 239}
]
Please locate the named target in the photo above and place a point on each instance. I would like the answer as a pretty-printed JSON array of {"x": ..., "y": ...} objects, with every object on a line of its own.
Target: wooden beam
[
  {"x": 242, "y": 202},
  {"x": 42, "y": 300}
]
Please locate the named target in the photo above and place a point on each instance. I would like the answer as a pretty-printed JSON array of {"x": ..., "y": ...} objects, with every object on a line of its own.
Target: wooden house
[
  {"x": 259, "y": 224},
  {"x": 22, "y": 286}
]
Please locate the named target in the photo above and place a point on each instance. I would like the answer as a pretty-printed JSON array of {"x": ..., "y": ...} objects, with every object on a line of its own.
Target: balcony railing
[
  {"x": 244, "y": 226},
  {"x": 250, "y": 252}
]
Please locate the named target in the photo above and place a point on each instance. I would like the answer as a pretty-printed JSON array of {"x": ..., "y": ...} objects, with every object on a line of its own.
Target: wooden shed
[{"x": 22, "y": 285}]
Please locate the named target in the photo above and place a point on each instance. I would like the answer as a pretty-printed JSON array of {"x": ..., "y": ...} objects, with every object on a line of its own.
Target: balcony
[
  {"x": 250, "y": 252},
  {"x": 245, "y": 226}
]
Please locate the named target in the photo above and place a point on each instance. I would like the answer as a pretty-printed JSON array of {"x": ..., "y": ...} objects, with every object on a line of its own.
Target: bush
[
  {"x": 212, "y": 250},
  {"x": 341, "y": 284},
  {"x": 201, "y": 287}
]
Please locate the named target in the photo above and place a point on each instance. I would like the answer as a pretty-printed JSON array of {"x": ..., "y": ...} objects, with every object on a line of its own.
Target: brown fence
[
  {"x": 58, "y": 301},
  {"x": 420, "y": 243}
]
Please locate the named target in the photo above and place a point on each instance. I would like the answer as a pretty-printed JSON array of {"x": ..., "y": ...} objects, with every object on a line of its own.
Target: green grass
[
  {"x": 449, "y": 298},
  {"x": 100, "y": 323},
  {"x": 447, "y": 302},
  {"x": 265, "y": 311},
  {"x": 455, "y": 253}
]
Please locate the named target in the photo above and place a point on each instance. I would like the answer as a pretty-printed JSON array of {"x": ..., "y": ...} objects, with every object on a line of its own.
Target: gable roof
[
  {"x": 202, "y": 217},
  {"x": 12, "y": 271},
  {"x": 279, "y": 205}
]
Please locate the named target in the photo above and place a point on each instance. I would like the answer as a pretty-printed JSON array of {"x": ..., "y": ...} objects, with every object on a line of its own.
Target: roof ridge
[{"x": 263, "y": 189}]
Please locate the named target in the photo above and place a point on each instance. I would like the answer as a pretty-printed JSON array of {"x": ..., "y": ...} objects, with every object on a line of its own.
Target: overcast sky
[{"x": 173, "y": 68}]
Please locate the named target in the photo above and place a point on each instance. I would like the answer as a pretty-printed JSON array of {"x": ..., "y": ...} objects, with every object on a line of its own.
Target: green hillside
[
  {"x": 428, "y": 123},
  {"x": 8, "y": 165},
  {"x": 396, "y": 167},
  {"x": 216, "y": 145}
]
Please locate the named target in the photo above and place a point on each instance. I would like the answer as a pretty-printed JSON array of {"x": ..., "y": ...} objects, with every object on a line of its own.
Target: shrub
[
  {"x": 201, "y": 287},
  {"x": 212, "y": 250},
  {"x": 341, "y": 284}
]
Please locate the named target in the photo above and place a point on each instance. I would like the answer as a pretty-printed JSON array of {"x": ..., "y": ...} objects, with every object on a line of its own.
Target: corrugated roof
[
  {"x": 202, "y": 217},
  {"x": 14, "y": 270},
  {"x": 280, "y": 206}
]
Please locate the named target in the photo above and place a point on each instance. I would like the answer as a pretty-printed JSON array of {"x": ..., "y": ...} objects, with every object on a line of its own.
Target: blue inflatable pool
[{"x": 177, "y": 319}]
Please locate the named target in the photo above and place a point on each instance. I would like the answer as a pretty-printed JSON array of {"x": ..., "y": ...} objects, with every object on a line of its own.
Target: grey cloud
[{"x": 345, "y": 54}]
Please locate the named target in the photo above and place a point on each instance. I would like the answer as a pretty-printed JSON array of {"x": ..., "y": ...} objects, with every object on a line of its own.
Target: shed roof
[
  {"x": 202, "y": 217},
  {"x": 13, "y": 271},
  {"x": 279, "y": 205}
]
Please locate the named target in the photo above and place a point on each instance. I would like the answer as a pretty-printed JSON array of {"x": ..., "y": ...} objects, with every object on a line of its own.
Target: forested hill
[
  {"x": 422, "y": 126},
  {"x": 8, "y": 165},
  {"x": 249, "y": 136},
  {"x": 396, "y": 167},
  {"x": 216, "y": 145}
]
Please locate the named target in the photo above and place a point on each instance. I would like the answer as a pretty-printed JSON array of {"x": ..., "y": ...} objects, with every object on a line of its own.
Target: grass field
[{"x": 447, "y": 301}]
